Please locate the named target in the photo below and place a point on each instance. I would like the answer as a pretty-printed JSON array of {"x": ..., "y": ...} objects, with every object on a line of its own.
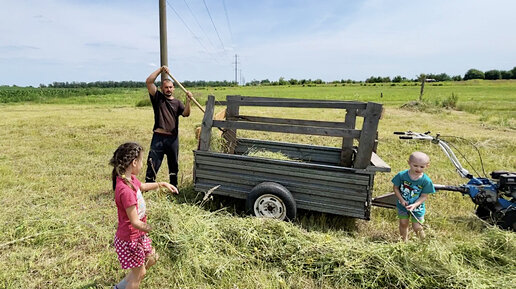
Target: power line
[
  {"x": 214, "y": 27},
  {"x": 199, "y": 24},
  {"x": 227, "y": 19},
  {"x": 187, "y": 27}
]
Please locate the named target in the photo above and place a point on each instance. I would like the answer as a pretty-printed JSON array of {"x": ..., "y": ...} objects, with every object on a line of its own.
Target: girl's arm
[
  {"x": 153, "y": 186},
  {"x": 135, "y": 220},
  {"x": 398, "y": 195},
  {"x": 419, "y": 201}
]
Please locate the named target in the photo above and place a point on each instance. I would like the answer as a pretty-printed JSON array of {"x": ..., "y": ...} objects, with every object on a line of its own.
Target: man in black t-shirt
[{"x": 165, "y": 140}]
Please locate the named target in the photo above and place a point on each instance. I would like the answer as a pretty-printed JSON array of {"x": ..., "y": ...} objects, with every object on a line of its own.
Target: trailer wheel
[{"x": 271, "y": 200}]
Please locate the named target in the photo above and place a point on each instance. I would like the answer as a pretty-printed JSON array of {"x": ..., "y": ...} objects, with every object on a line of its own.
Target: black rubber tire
[
  {"x": 508, "y": 222},
  {"x": 483, "y": 213},
  {"x": 282, "y": 201}
]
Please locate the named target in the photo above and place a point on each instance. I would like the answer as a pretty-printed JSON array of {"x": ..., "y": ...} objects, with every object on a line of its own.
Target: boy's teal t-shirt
[{"x": 411, "y": 190}]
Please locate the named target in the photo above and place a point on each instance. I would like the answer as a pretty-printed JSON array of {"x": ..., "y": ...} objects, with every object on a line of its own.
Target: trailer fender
[{"x": 271, "y": 200}]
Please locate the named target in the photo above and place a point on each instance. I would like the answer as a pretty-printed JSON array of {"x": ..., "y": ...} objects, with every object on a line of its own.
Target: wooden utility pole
[
  {"x": 163, "y": 36},
  {"x": 423, "y": 79},
  {"x": 236, "y": 68}
]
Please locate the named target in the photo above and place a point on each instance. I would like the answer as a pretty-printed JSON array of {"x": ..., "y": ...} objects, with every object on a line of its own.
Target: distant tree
[
  {"x": 318, "y": 81},
  {"x": 265, "y": 82},
  {"x": 506, "y": 74},
  {"x": 282, "y": 81},
  {"x": 374, "y": 79},
  {"x": 493, "y": 74},
  {"x": 513, "y": 73},
  {"x": 474, "y": 74},
  {"x": 457, "y": 78},
  {"x": 439, "y": 77},
  {"x": 253, "y": 82},
  {"x": 292, "y": 81},
  {"x": 397, "y": 78}
]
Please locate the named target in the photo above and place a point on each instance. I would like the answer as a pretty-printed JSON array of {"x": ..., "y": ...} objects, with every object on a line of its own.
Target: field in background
[
  {"x": 492, "y": 101},
  {"x": 59, "y": 216}
]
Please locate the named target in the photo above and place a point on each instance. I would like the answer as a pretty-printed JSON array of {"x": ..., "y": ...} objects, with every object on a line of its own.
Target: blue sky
[{"x": 79, "y": 40}]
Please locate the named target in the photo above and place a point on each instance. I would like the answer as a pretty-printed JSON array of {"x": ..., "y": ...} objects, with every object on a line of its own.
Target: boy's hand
[
  {"x": 171, "y": 188},
  {"x": 411, "y": 207}
]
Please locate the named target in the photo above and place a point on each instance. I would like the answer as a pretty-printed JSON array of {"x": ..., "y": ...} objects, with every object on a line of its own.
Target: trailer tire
[{"x": 271, "y": 200}]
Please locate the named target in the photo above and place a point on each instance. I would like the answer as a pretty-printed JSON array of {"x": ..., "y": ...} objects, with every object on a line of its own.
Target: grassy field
[{"x": 59, "y": 216}]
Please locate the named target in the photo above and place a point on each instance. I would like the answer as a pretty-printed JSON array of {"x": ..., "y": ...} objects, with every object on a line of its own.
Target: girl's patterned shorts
[{"x": 131, "y": 254}]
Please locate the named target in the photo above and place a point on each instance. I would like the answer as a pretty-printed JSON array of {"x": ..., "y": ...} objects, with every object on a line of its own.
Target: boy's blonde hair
[{"x": 419, "y": 156}]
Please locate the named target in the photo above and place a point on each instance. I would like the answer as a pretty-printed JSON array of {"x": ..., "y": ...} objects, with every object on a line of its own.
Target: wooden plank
[
  {"x": 309, "y": 130},
  {"x": 316, "y": 170},
  {"x": 346, "y": 155},
  {"x": 350, "y": 212},
  {"x": 345, "y": 179},
  {"x": 266, "y": 143},
  {"x": 377, "y": 164},
  {"x": 295, "y": 166},
  {"x": 301, "y": 122},
  {"x": 368, "y": 135},
  {"x": 292, "y": 102},
  {"x": 230, "y": 135},
  {"x": 207, "y": 122},
  {"x": 312, "y": 187},
  {"x": 303, "y": 104},
  {"x": 386, "y": 201}
]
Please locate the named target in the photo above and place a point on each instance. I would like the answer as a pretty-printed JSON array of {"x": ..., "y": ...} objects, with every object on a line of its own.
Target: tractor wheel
[
  {"x": 508, "y": 221},
  {"x": 483, "y": 213},
  {"x": 271, "y": 200}
]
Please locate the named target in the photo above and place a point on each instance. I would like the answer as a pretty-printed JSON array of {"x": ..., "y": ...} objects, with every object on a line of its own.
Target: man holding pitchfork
[{"x": 165, "y": 139}]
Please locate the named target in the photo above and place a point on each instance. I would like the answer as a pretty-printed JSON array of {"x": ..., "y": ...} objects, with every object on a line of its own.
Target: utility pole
[
  {"x": 163, "y": 36},
  {"x": 236, "y": 69}
]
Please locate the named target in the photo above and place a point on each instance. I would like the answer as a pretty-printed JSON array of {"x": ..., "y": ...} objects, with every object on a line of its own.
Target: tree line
[
  {"x": 473, "y": 73},
  {"x": 133, "y": 84}
]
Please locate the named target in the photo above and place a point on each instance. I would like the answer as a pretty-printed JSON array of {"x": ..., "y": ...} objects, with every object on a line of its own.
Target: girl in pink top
[{"x": 132, "y": 244}]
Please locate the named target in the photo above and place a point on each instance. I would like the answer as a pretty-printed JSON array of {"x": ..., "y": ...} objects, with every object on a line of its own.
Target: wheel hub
[{"x": 270, "y": 206}]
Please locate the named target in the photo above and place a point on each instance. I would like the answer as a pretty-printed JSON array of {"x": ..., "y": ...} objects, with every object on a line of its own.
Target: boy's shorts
[
  {"x": 404, "y": 215},
  {"x": 131, "y": 254}
]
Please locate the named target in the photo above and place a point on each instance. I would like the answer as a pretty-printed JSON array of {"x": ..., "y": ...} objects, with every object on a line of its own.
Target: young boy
[{"x": 412, "y": 187}]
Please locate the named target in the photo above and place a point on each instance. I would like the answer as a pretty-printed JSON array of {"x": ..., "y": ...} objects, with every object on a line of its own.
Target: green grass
[{"x": 59, "y": 216}]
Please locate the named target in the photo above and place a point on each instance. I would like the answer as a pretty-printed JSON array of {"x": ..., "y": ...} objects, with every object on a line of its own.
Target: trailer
[{"x": 324, "y": 179}]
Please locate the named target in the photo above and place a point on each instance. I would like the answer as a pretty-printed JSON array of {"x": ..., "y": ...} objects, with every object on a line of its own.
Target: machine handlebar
[{"x": 444, "y": 146}]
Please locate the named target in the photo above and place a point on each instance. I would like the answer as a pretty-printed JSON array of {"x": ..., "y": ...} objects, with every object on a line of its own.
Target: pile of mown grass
[{"x": 220, "y": 251}]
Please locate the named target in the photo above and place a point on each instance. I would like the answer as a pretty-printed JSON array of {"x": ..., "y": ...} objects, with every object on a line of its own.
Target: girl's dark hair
[{"x": 122, "y": 158}]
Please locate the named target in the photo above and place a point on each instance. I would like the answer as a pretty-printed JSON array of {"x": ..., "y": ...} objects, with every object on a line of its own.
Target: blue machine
[{"x": 495, "y": 197}]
